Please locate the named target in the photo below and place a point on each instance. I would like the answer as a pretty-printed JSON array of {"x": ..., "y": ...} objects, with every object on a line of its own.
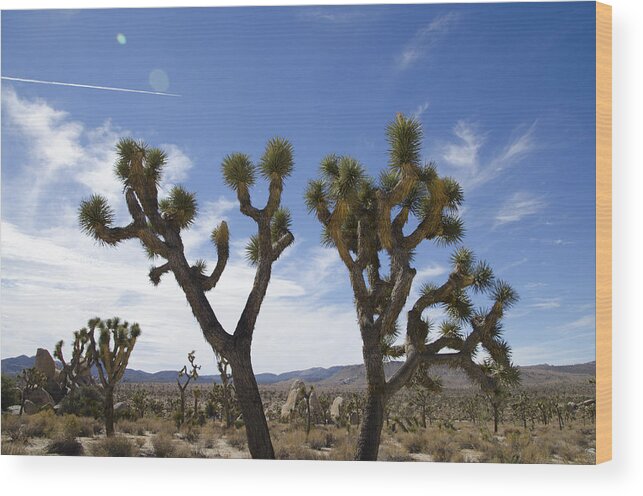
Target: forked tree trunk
[
  {"x": 254, "y": 419},
  {"x": 109, "y": 412}
]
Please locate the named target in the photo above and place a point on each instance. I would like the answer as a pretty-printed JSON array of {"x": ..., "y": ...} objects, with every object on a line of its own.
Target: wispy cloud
[
  {"x": 519, "y": 206},
  {"x": 420, "y": 110},
  {"x": 464, "y": 154},
  {"x": 335, "y": 15},
  {"x": 545, "y": 303},
  {"x": 424, "y": 39},
  {"x": 54, "y": 278},
  {"x": 586, "y": 322},
  {"x": 88, "y": 86}
]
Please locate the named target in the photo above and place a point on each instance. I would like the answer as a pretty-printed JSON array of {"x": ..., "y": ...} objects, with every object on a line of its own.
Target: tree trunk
[
  {"x": 370, "y": 434},
  {"x": 259, "y": 443},
  {"x": 109, "y": 412}
]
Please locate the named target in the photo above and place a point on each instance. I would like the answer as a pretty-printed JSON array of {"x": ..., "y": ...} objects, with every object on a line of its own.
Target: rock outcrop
[{"x": 295, "y": 394}]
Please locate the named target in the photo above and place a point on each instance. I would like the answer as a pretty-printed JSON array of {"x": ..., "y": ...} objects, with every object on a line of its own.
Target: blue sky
[{"x": 505, "y": 93}]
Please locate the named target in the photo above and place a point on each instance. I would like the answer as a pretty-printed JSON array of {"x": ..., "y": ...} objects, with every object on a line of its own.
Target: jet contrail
[{"x": 75, "y": 85}]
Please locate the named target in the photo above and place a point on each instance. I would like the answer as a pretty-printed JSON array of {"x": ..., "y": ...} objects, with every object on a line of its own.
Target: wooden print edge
[{"x": 603, "y": 232}]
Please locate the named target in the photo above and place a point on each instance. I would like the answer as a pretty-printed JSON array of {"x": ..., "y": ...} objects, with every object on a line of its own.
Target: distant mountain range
[{"x": 352, "y": 376}]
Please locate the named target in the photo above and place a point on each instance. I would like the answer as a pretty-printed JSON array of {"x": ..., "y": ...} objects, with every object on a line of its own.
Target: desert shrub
[
  {"x": 191, "y": 433},
  {"x": 13, "y": 448},
  {"x": 415, "y": 442},
  {"x": 131, "y": 427},
  {"x": 390, "y": 453},
  {"x": 10, "y": 395},
  {"x": 117, "y": 446},
  {"x": 73, "y": 426},
  {"x": 318, "y": 440},
  {"x": 66, "y": 446},
  {"x": 12, "y": 427},
  {"x": 85, "y": 401},
  {"x": 441, "y": 447},
  {"x": 41, "y": 424},
  {"x": 237, "y": 439},
  {"x": 164, "y": 446}
]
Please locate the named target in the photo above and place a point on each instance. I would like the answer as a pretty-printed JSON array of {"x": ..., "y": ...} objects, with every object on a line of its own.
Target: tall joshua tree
[
  {"x": 374, "y": 222},
  {"x": 116, "y": 340},
  {"x": 158, "y": 224}
]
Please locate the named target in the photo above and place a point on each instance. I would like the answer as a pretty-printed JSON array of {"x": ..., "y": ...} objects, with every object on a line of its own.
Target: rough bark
[
  {"x": 373, "y": 418},
  {"x": 109, "y": 412},
  {"x": 254, "y": 418}
]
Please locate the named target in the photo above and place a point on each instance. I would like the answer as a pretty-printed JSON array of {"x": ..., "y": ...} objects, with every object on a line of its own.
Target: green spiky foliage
[
  {"x": 28, "y": 381},
  {"x": 111, "y": 353},
  {"x": 376, "y": 226},
  {"x": 77, "y": 370},
  {"x": 186, "y": 375},
  {"x": 158, "y": 220}
]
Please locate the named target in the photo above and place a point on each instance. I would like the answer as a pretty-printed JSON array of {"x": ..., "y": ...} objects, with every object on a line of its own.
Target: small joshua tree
[
  {"x": 76, "y": 371},
  {"x": 184, "y": 377},
  {"x": 28, "y": 381},
  {"x": 365, "y": 221},
  {"x": 226, "y": 391},
  {"x": 423, "y": 387},
  {"x": 158, "y": 223},
  {"x": 116, "y": 340}
]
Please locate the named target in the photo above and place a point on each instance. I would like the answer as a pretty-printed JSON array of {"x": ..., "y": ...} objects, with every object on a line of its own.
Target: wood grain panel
[{"x": 603, "y": 232}]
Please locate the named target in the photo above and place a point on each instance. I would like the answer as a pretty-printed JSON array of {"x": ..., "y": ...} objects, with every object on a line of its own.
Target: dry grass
[
  {"x": 117, "y": 446},
  {"x": 13, "y": 448}
]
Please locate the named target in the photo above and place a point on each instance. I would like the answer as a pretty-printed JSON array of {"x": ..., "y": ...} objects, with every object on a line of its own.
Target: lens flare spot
[
  {"x": 121, "y": 38},
  {"x": 159, "y": 80}
]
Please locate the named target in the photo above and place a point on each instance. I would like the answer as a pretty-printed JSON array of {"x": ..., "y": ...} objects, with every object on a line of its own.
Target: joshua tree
[
  {"x": 522, "y": 408},
  {"x": 158, "y": 223},
  {"x": 365, "y": 220},
  {"x": 111, "y": 354},
  {"x": 183, "y": 379},
  {"x": 423, "y": 387},
  {"x": 29, "y": 380},
  {"x": 78, "y": 370},
  {"x": 223, "y": 366}
]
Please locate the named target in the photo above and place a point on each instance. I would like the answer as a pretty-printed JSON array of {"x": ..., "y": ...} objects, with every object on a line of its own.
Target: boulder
[
  {"x": 337, "y": 410},
  {"x": 295, "y": 394},
  {"x": 121, "y": 407},
  {"x": 45, "y": 363},
  {"x": 14, "y": 410}
]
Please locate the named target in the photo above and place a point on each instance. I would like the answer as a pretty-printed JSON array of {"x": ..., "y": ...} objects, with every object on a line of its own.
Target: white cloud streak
[
  {"x": 463, "y": 154},
  {"x": 424, "y": 39},
  {"x": 88, "y": 86},
  {"x": 520, "y": 205}
]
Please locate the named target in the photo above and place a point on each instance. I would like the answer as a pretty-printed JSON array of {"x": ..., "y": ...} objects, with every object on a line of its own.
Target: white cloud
[
  {"x": 545, "y": 303},
  {"x": 54, "y": 278},
  {"x": 463, "y": 154},
  {"x": 519, "y": 206},
  {"x": 430, "y": 271},
  {"x": 585, "y": 322},
  {"x": 420, "y": 110},
  {"x": 424, "y": 39}
]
